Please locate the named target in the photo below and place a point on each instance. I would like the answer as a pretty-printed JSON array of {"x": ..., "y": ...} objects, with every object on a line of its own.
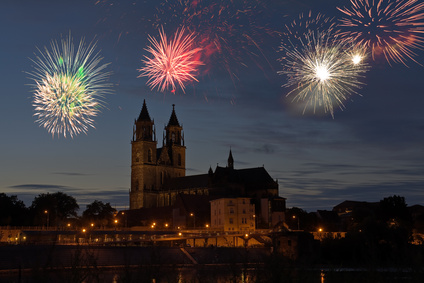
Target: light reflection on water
[{"x": 220, "y": 274}]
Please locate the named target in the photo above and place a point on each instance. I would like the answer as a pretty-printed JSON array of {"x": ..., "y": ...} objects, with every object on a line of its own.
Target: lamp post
[
  {"x": 298, "y": 226},
  {"x": 47, "y": 218},
  {"x": 194, "y": 220}
]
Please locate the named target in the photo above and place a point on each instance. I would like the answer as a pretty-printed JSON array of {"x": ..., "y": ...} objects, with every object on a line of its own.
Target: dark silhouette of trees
[
  {"x": 98, "y": 213},
  {"x": 307, "y": 221},
  {"x": 53, "y": 209},
  {"x": 13, "y": 212}
]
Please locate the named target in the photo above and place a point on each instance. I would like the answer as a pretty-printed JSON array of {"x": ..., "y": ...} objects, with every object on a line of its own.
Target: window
[
  {"x": 231, "y": 221},
  {"x": 231, "y": 210},
  {"x": 244, "y": 211},
  {"x": 149, "y": 155},
  {"x": 179, "y": 159}
]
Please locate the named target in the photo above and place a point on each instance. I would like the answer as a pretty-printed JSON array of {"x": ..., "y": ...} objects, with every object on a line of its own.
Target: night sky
[{"x": 372, "y": 149}]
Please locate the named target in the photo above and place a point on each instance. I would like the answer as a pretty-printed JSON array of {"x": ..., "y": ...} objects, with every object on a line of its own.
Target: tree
[
  {"x": 299, "y": 218},
  {"x": 99, "y": 213},
  {"x": 12, "y": 211},
  {"x": 52, "y": 209}
]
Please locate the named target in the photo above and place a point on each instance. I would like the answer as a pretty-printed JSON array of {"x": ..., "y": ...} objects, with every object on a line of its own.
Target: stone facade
[
  {"x": 233, "y": 214},
  {"x": 152, "y": 166}
]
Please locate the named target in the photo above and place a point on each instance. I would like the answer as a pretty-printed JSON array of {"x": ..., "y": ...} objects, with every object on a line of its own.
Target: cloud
[
  {"x": 38, "y": 187},
  {"x": 71, "y": 174}
]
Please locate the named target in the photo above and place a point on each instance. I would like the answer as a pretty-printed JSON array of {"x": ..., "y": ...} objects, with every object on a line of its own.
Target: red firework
[
  {"x": 393, "y": 29},
  {"x": 172, "y": 62}
]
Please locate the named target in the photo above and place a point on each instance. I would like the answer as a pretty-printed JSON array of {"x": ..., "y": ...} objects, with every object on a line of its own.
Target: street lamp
[
  {"x": 298, "y": 226},
  {"x": 48, "y": 220},
  {"x": 194, "y": 220}
]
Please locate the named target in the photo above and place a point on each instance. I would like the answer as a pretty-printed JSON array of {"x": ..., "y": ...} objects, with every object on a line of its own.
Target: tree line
[{"x": 53, "y": 210}]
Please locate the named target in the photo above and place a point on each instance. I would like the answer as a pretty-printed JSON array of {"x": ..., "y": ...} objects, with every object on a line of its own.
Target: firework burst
[
  {"x": 232, "y": 34},
  {"x": 323, "y": 72},
  {"x": 391, "y": 28},
  {"x": 172, "y": 62},
  {"x": 68, "y": 87}
]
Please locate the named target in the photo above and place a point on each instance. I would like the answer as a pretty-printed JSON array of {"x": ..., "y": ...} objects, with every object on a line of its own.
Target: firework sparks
[
  {"x": 394, "y": 29},
  {"x": 322, "y": 72},
  {"x": 303, "y": 25},
  {"x": 173, "y": 61},
  {"x": 220, "y": 26},
  {"x": 68, "y": 87}
]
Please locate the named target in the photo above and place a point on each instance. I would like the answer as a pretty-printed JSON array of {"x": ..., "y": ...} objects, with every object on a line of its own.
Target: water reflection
[{"x": 218, "y": 274}]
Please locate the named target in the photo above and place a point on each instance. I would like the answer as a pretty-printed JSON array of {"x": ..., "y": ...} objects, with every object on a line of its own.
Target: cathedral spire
[
  {"x": 230, "y": 161},
  {"x": 144, "y": 113},
  {"x": 173, "y": 121},
  {"x": 144, "y": 126},
  {"x": 174, "y": 135}
]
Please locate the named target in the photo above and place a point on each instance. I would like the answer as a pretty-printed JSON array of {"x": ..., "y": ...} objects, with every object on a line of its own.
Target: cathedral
[{"x": 158, "y": 174}]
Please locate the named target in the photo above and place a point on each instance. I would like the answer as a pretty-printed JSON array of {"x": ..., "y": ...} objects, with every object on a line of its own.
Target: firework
[
  {"x": 303, "y": 25},
  {"x": 68, "y": 87},
  {"x": 322, "y": 72},
  {"x": 232, "y": 34},
  {"x": 174, "y": 61},
  {"x": 393, "y": 29}
]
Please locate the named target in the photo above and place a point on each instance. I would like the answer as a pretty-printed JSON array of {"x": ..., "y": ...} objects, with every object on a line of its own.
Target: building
[
  {"x": 151, "y": 166},
  {"x": 233, "y": 214},
  {"x": 158, "y": 174}
]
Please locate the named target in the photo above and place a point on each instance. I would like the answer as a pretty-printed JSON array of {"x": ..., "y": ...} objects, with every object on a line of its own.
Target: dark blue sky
[{"x": 372, "y": 149}]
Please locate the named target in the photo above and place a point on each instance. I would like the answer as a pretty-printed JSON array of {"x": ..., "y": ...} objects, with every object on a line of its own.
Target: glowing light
[
  {"x": 356, "y": 59},
  {"x": 390, "y": 28},
  {"x": 173, "y": 62},
  {"x": 320, "y": 71},
  {"x": 68, "y": 87}
]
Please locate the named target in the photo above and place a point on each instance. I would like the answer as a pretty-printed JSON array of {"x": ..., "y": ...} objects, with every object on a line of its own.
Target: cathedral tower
[
  {"x": 152, "y": 166},
  {"x": 143, "y": 158},
  {"x": 174, "y": 142}
]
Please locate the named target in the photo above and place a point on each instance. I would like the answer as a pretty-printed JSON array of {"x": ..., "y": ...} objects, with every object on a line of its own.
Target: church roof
[
  {"x": 246, "y": 176},
  {"x": 187, "y": 182},
  {"x": 144, "y": 114},
  {"x": 173, "y": 120}
]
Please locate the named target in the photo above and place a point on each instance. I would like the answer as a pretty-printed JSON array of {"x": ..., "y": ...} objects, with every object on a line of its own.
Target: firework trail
[
  {"x": 171, "y": 62},
  {"x": 393, "y": 29},
  {"x": 229, "y": 32},
  {"x": 323, "y": 72},
  {"x": 305, "y": 24},
  {"x": 68, "y": 87}
]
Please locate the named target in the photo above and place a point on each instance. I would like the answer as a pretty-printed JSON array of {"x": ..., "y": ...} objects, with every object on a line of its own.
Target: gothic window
[
  {"x": 173, "y": 138},
  {"x": 179, "y": 159},
  {"x": 137, "y": 158},
  {"x": 149, "y": 155},
  {"x": 231, "y": 221},
  {"x": 231, "y": 210},
  {"x": 244, "y": 211},
  {"x": 162, "y": 177},
  {"x": 136, "y": 185}
]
